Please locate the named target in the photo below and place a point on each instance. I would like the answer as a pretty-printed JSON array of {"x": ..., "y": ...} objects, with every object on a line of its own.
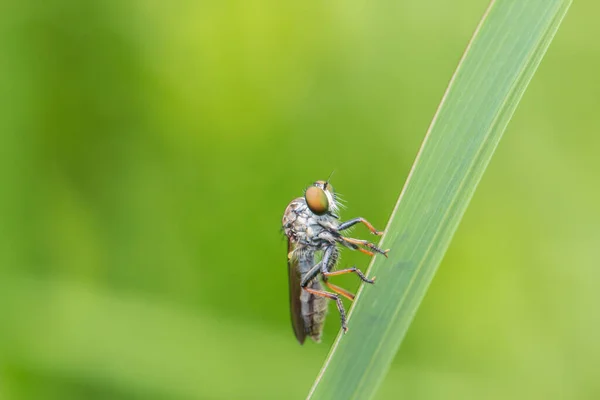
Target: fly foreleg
[
  {"x": 332, "y": 234},
  {"x": 355, "y": 243},
  {"x": 359, "y": 220}
]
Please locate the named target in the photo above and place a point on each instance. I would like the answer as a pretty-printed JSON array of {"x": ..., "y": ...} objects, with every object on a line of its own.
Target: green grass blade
[{"x": 497, "y": 66}]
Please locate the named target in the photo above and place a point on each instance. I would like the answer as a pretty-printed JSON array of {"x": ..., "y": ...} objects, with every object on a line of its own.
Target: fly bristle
[{"x": 340, "y": 200}]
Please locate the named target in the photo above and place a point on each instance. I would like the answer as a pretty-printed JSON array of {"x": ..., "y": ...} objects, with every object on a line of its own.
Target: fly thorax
[{"x": 309, "y": 232}]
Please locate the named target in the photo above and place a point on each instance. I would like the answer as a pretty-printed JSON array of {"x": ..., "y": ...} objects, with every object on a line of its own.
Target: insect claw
[{"x": 377, "y": 233}]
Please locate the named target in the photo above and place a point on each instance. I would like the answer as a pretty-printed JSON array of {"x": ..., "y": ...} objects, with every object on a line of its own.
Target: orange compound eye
[{"x": 317, "y": 200}]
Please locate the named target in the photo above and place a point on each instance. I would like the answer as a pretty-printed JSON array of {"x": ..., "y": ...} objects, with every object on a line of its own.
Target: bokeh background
[{"x": 148, "y": 150}]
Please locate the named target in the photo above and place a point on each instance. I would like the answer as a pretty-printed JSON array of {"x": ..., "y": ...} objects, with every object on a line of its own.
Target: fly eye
[{"x": 317, "y": 200}]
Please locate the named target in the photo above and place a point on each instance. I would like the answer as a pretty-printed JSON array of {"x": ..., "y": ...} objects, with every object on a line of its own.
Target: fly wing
[{"x": 295, "y": 291}]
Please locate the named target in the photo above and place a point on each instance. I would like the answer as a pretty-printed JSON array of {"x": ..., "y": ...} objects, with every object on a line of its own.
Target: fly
[{"x": 312, "y": 229}]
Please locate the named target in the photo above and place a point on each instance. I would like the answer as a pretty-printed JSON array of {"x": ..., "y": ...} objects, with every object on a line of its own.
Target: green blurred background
[{"x": 148, "y": 150}]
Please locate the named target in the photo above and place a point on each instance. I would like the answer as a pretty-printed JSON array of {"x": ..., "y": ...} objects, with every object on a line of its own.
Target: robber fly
[{"x": 313, "y": 229}]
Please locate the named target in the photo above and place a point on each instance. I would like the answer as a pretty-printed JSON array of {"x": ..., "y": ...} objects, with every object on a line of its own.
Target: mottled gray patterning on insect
[{"x": 313, "y": 229}]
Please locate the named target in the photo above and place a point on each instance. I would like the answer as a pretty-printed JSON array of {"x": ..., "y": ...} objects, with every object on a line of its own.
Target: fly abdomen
[{"x": 314, "y": 311}]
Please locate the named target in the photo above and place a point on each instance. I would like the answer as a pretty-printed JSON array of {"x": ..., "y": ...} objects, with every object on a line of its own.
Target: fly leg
[
  {"x": 350, "y": 271},
  {"x": 328, "y": 263},
  {"x": 334, "y": 288},
  {"x": 355, "y": 247},
  {"x": 332, "y": 233},
  {"x": 359, "y": 220},
  {"x": 329, "y": 256},
  {"x": 311, "y": 274},
  {"x": 337, "y": 300},
  {"x": 354, "y": 243}
]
